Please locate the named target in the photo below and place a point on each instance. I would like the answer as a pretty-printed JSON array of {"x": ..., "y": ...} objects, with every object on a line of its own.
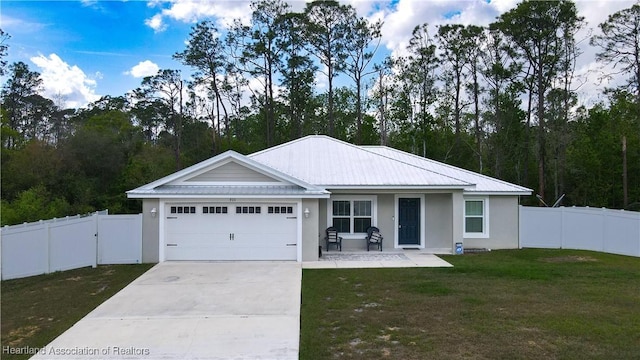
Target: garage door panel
[
  {"x": 203, "y": 235},
  {"x": 195, "y": 251}
]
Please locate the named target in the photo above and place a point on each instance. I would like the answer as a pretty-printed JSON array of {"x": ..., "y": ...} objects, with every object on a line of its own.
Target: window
[
  {"x": 352, "y": 216},
  {"x": 215, "y": 210},
  {"x": 475, "y": 218},
  {"x": 183, "y": 209},
  {"x": 342, "y": 216},
  {"x": 280, "y": 209},
  {"x": 248, "y": 210}
]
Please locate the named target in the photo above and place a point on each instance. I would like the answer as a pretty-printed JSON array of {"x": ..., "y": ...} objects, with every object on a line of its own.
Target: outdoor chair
[
  {"x": 332, "y": 238},
  {"x": 374, "y": 238}
]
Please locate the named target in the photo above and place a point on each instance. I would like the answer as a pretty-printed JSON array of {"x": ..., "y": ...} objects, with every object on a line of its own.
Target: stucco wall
[
  {"x": 503, "y": 225},
  {"x": 310, "y": 230},
  {"x": 150, "y": 231},
  {"x": 386, "y": 221},
  {"x": 439, "y": 222}
]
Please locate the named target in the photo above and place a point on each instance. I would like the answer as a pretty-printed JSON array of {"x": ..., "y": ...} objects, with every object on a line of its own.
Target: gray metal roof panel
[
  {"x": 324, "y": 161},
  {"x": 483, "y": 183}
]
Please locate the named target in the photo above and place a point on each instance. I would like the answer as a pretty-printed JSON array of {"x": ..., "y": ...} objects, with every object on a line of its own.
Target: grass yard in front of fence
[
  {"x": 509, "y": 304},
  {"x": 37, "y": 309}
]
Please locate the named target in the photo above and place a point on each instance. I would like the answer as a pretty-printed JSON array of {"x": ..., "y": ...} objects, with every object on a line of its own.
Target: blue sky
[
  {"x": 86, "y": 49},
  {"x": 104, "y": 40}
]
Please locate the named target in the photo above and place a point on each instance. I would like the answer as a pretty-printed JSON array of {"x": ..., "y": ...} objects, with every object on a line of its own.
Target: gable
[
  {"x": 227, "y": 175},
  {"x": 231, "y": 172}
]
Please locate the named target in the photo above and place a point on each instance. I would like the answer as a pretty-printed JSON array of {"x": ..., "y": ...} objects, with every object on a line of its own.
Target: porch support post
[{"x": 457, "y": 219}]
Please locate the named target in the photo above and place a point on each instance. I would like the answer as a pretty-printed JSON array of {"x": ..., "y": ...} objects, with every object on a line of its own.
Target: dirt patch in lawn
[{"x": 569, "y": 258}]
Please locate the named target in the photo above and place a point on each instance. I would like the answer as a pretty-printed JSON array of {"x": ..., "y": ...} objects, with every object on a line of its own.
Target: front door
[{"x": 408, "y": 221}]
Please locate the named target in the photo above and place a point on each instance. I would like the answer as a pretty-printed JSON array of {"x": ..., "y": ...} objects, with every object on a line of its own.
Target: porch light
[
  {"x": 154, "y": 211},
  {"x": 306, "y": 212}
]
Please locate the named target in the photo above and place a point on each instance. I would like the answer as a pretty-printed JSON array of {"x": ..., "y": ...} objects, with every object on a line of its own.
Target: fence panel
[
  {"x": 120, "y": 239},
  {"x": 621, "y": 230},
  {"x": 582, "y": 229},
  {"x": 612, "y": 231},
  {"x": 23, "y": 252},
  {"x": 72, "y": 244},
  {"x": 542, "y": 228}
]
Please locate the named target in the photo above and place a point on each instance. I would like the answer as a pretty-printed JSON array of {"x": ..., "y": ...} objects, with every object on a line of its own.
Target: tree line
[{"x": 500, "y": 100}]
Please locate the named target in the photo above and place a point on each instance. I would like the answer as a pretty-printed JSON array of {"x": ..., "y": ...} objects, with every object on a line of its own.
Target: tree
[
  {"x": 28, "y": 113},
  {"x": 326, "y": 32},
  {"x": 537, "y": 28},
  {"x": 261, "y": 55},
  {"x": 500, "y": 77},
  {"x": 381, "y": 92},
  {"x": 168, "y": 88},
  {"x": 297, "y": 71},
  {"x": 3, "y": 51},
  {"x": 205, "y": 54},
  {"x": 454, "y": 48},
  {"x": 474, "y": 38},
  {"x": 361, "y": 37},
  {"x": 416, "y": 90},
  {"x": 620, "y": 44}
]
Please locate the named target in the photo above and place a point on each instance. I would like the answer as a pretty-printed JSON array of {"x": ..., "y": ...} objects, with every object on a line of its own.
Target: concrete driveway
[{"x": 193, "y": 310}]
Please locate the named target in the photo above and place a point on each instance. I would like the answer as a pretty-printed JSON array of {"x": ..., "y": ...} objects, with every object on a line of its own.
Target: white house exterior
[{"x": 276, "y": 204}]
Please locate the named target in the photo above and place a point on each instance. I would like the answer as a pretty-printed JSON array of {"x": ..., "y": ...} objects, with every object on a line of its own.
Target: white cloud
[
  {"x": 156, "y": 23},
  {"x": 143, "y": 69},
  {"x": 59, "y": 79},
  {"x": 190, "y": 11},
  {"x": 400, "y": 21}
]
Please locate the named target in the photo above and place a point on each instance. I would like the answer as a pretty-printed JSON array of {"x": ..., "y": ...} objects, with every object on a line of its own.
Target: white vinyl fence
[
  {"x": 69, "y": 243},
  {"x": 611, "y": 231}
]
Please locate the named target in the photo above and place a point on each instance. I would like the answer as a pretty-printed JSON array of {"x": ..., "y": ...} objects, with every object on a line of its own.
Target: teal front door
[{"x": 408, "y": 221}]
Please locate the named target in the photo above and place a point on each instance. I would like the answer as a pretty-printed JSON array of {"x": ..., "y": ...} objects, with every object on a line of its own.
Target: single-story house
[{"x": 275, "y": 204}]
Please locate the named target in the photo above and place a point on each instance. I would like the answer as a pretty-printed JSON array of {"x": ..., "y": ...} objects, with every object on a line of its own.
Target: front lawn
[
  {"x": 37, "y": 309},
  {"x": 510, "y": 304}
]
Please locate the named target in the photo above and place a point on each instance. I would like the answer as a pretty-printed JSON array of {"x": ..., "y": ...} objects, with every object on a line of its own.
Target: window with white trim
[
  {"x": 351, "y": 215},
  {"x": 475, "y": 218}
]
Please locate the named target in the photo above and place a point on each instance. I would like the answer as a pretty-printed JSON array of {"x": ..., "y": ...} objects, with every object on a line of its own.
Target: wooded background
[{"x": 500, "y": 100}]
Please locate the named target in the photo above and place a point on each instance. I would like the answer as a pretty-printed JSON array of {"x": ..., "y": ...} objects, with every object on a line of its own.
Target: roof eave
[
  {"x": 397, "y": 187},
  {"x": 226, "y": 196},
  {"x": 498, "y": 193}
]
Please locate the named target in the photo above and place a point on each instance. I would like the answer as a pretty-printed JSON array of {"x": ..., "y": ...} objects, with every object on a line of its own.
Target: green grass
[
  {"x": 512, "y": 304},
  {"x": 35, "y": 310}
]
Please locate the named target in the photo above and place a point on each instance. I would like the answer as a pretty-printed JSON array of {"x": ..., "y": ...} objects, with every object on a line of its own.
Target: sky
[{"x": 87, "y": 49}]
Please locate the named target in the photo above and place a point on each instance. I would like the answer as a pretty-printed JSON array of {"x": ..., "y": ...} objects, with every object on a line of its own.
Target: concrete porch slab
[{"x": 363, "y": 260}]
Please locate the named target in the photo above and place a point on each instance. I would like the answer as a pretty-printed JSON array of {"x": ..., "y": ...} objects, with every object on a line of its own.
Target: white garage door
[{"x": 230, "y": 231}]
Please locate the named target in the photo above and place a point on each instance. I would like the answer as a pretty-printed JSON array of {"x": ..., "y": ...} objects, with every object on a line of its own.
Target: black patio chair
[
  {"x": 332, "y": 238},
  {"x": 374, "y": 238}
]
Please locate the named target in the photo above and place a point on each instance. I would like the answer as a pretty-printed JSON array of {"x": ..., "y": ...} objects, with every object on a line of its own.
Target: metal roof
[
  {"x": 331, "y": 163},
  {"x": 307, "y": 167},
  {"x": 482, "y": 183},
  {"x": 334, "y": 164}
]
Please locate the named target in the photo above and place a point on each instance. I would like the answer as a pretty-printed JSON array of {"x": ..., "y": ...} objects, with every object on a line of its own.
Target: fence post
[
  {"x": 604, "y": 228},
  {"x": 95, "y": 239},
  {"x": 562, "y": 232},
  {"x": 48, "y": 242}
]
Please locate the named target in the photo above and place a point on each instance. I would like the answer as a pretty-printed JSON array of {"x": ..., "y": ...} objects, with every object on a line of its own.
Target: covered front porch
[{"x": 427, "y": 221}]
